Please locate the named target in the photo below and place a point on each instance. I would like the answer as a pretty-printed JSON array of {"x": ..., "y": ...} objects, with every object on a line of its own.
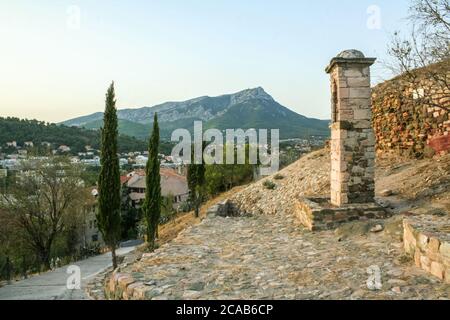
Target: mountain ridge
[{"x": 250, "y": 108}]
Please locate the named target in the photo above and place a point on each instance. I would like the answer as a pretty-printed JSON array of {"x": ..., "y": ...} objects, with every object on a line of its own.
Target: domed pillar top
[{"x": 350, "y": 56}]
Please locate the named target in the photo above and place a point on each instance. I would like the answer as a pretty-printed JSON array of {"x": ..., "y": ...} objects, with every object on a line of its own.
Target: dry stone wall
[
  {"x": 403, "y": 124},
  {"x": 427, "y": 240}
]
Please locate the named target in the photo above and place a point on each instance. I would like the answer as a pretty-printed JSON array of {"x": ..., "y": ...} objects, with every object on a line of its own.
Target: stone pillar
[{"x": 352, "y": 136}]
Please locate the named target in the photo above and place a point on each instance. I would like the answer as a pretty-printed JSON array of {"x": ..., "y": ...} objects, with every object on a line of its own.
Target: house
[
  {"x": 28, "y": 144},
  {"x": 172, "y": 185},
  {"x": 141, "y": 161},
  {"x": 12, "y": 144},
  {"x": 91, "y": 235},
  {"x": 74, "y": 160},
  {"x": 64, "y": 148},
  {"x": 123, "y": 161}
]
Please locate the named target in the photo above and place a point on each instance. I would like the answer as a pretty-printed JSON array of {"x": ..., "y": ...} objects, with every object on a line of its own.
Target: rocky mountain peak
[{"x": 250, "y": 94}]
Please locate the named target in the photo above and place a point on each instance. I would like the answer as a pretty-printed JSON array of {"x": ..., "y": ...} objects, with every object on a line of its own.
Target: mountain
[
  {"x": 252, "y": 108},
  {"x": 14, "y": 129}
]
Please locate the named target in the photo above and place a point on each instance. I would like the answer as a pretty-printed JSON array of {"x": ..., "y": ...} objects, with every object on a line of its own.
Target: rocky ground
[{"x": 268, "y": 255}]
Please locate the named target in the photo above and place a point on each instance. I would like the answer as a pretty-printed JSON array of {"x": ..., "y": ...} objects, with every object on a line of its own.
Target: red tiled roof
[{"x": 124, "y": 179}]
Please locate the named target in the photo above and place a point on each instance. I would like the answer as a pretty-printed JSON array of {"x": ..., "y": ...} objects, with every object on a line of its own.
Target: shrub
[
  {"x": 269, "y": 185},
  {"x": 278, "y": 177}
]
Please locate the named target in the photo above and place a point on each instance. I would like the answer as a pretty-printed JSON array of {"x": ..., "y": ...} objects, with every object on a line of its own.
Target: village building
[
  {"x": 172, "y": 185},
  {"x": 64, "y": 148},
  {"x": 90, "y": 234}
]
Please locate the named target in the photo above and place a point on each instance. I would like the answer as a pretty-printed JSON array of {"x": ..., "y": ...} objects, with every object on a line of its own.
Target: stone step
[{"x": 317, "y": 214}]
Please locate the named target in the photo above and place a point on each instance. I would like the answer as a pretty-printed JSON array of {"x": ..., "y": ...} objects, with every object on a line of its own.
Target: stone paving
[
  {"x": 271, "y": 257},
  {"x": 267, "y": 254}
]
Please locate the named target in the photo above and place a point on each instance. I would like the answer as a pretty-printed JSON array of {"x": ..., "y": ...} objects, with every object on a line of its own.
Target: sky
[{"x": 57, "y": 58}]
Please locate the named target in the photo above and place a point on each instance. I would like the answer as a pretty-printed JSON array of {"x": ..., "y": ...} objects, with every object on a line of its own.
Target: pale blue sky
[{"x": 169, "y": 50}]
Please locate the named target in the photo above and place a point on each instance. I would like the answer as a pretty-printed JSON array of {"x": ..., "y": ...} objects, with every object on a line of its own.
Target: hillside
[
  {"x": 252, "y": 108},
  {"x": 14, "y": 129},
  {"x": 266, "y": 254}
]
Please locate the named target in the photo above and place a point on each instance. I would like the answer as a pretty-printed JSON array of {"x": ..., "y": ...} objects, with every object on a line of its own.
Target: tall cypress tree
[
  {"x": 152, "y": 204},
  {"x": 196, "y": 183},
  {"x": 108, "y": 215}
]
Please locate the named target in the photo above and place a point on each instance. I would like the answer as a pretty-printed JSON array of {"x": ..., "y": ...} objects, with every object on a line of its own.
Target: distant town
[{"x": 13, "y": 154}]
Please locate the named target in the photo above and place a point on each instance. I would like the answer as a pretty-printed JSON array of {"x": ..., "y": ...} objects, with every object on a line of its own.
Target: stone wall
[
  {"x": 404, "y": 125},
  {"x": 427, "y": 240}
]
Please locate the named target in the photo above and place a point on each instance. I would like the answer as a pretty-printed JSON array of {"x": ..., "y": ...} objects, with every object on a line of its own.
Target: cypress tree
[
  {"x": 152, "y": 204},
  {"x": 108, "y": 215},
  {"x": 196, "y": 182}
]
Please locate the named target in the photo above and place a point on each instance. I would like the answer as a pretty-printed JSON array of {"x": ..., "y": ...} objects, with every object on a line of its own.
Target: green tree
[
  {"x": 152, "y": 204},
  {"x": 223, "y": 177},
  {"x": 196, "y": 183},
  {"x": 108, "y": 215},
  {"x": 41, "y": 205}
]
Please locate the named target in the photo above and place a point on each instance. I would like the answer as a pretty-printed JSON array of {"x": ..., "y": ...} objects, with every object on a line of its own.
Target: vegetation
[
  {"x": 14, "y": 129},
  {"x": 167, "y": 211},
  {"x": 108, "y": 216},
  {"x": 41, "y": 207},
  {"x": 223, "y": 177},
  {"x": 269, "y": 185},
  {"x": 196, "y": 184},
  {"x": 131, "y": 218},
  {"x": 152, "y": 204}
]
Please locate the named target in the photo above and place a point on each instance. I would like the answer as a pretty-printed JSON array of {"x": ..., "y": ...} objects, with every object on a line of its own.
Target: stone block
[
  {"x": 362, "y": 124},
  {"x": 344, "y": 93},
  {"x": 417, "y": 257},
  {"x": 433, "y": 245},
  {"x": 362, "y": 114},
  {"x": 422, "y": 242},
  {"x": 437, "y": 269},
  {"x": 359, "y": 82},
  {"x": 360, "y": 93},
  {"x": 425, "y": 263},
  {"x": 353, "y": 73},
  {"x": 445, "y": 249},
  {"x": 339, "y": 134},
  {"x": 346, "y": 115}
]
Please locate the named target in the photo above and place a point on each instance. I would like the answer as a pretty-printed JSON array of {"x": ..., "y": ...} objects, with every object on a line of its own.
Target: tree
[
  {"x": 428, "y": 44},
  {"x": 196, "y": 183},
  {"x": 42, "y": 202},
  {"x": 152, "y": 203},
  {"x": 223, "y": 177},
  {"x": 108, "y": 215}
]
